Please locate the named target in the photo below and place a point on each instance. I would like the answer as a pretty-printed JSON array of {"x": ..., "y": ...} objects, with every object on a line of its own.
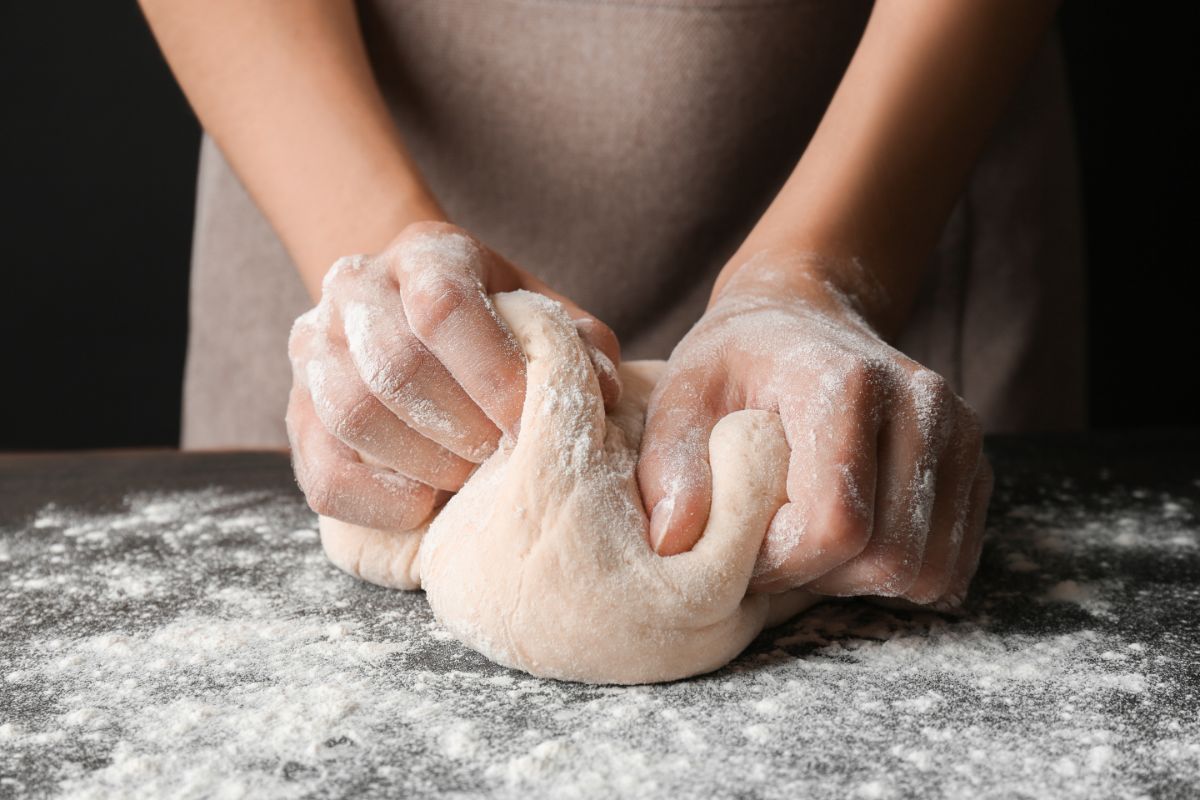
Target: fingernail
[{"x": 660, "y": 521}]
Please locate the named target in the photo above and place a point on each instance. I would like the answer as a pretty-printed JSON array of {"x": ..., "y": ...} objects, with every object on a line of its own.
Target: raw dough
[{"x": 542, "y": 563}]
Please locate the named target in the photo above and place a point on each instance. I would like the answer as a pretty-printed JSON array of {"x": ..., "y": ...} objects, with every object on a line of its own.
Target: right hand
[
  {"x": 887, "y": 483},
  {"x": 404, "y": 377}
]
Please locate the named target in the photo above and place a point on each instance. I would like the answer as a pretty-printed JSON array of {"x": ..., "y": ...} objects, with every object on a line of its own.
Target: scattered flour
[{"x": 197, "y": 644}]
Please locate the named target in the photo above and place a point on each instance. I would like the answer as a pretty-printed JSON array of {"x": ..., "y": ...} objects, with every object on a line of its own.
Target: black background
[{"x": 97, "y": 174}]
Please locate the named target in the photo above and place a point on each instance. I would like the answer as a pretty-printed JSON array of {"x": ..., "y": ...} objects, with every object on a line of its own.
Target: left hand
[{"x": 887, "y": 483}]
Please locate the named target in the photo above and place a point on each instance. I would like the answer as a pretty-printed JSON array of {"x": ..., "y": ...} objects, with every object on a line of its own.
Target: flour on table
[{"x": 246, "y": 666}]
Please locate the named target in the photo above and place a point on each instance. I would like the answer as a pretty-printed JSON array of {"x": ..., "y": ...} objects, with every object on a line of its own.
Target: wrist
[
  {"x": 368, "y": 233},
  {"x": 838, "y": 286}
]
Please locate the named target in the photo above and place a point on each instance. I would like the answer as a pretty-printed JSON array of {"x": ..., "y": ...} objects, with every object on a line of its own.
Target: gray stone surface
[{"x": 169, "y": 628}]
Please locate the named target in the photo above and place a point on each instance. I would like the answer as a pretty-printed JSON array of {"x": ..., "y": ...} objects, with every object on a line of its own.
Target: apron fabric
[{"x": 621, "y": 150}]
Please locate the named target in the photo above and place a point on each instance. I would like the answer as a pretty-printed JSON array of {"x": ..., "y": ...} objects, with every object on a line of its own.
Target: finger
[
  {"x": 973, "y": 535},
  {"x": 336, "y": 484},
  {"x": 904, "y": 491},
  {"x": 958, "y": 467},
  {"x": 441, "y": 273},
  {"x": 604, "y": 367},
  {"x": 749, "y": 480},
  {"x": 831, "y": 486},
  {"x": 400, "y": 371},
  {"x": 673, "y": 471},
  {"x": 603, "y": 347},
  {"x": 354, "y": 416}
]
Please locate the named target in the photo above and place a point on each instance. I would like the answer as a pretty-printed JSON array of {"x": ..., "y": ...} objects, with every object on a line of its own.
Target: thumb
[{"x": 673, "y": 471}]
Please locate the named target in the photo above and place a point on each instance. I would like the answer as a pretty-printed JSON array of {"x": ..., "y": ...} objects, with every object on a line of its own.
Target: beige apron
[{"x": 621, "y": 150}]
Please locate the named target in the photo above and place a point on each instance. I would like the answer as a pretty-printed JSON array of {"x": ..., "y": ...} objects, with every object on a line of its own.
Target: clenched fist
[
  {"x": 887, "y": 483},
  {"x": 405, "y": 378}
]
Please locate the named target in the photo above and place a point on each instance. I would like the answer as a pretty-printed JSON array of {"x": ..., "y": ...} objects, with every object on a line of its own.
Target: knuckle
[
  {"x": 845, "y": 526},
  {"x": 296, "y": 351},
  {"x": 933, "y": 407},
  {"x": 968, "y": 417},
  {"x": 352, "y": 419},
  {"x": 861, "y": 375},
  {"x": 860, "y": 380},
  {"x": 434, "y": 303},
  {"x": 321, "y": 492},
  {"x": 968, "y": 428},
  {"x": 304, "y": 330},
  {"x": 409, "y": 501},
  {"x": 864, "y": 387},
  {"x": 292, "y": 422},
  {"x": 343, "y": 272},
  {"x": 935, "y": 382},
  {"x": 895, "y": 571},
  {"x": 971, "y": 433},
  {"x": 923, "y": 594},
  {"x": 388, "y": 379},
  {"x": 425, "y": 246},
  {"x": 932, "y": 391},
  {"x": 927, "y": 589},
  {"x": 416, "y": 231},
  {"x": 600, "y": 336}
]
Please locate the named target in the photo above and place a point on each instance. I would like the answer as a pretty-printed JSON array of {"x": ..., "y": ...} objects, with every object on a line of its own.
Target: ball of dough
[{"x": 542, "y": 561}]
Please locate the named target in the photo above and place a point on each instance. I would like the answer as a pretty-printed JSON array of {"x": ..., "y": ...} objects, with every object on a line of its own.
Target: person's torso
[{"x": 619, "y": 150}]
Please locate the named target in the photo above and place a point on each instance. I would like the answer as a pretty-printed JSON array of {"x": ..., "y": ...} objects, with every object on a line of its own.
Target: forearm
[
  {"x": 286, "y": 90},
  {"x": 878, "y": 180}
]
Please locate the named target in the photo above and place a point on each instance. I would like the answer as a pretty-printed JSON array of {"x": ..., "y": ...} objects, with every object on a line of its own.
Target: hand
[
  {"x": 404, "y": 377},
  {"x": 887, "y": 483}
]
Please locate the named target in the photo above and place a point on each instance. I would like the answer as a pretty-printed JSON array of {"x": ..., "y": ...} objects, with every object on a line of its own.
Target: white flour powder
[{"x": 198, "y": 645}]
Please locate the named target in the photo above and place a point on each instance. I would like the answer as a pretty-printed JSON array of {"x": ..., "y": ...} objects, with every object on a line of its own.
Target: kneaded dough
[{"x": 542, "y": 561}]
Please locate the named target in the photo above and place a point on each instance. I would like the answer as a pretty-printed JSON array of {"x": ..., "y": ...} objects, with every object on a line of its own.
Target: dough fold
[{"x": 542, "y": 562}]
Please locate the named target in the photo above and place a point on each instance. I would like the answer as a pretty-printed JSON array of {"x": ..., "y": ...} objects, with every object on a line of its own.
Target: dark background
[{"x": 97, "y": 173}]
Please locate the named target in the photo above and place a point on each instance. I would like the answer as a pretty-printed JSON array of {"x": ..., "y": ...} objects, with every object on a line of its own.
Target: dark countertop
[{"x": 169, "y": 627}]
